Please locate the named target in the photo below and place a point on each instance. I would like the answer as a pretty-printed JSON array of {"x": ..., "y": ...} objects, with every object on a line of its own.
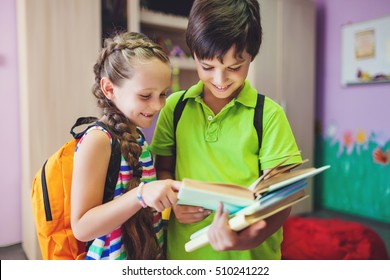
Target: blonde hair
[{"x": 116, "y": 61}]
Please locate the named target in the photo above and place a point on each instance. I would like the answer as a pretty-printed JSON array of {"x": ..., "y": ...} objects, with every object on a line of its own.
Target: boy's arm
[{"x": 165, "y": 167}]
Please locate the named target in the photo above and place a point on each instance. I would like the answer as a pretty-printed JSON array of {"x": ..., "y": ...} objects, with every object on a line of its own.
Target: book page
[{"x": 288, "y": 178}]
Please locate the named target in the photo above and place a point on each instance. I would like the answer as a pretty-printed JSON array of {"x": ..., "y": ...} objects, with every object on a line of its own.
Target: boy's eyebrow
[{"x": 242, "y": 60}]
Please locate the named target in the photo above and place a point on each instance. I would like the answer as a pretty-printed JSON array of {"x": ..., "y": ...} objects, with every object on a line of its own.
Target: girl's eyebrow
[{"x": 148, "y": 90}]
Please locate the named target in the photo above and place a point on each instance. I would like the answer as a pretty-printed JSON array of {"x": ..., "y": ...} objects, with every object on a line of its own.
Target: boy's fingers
[
  {"x": 260, "y": 225},
  {"x": 190, "y": 209},
  {"x": 254, "y": 229}
]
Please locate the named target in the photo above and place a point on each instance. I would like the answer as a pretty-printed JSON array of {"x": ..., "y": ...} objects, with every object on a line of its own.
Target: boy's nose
[{"x": 219, "y": 78}]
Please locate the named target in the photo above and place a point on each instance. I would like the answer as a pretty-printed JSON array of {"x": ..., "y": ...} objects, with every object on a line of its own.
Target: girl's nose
[{"x": 158, "y": 104}]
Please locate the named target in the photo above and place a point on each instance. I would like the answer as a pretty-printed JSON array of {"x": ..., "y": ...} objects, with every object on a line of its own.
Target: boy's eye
[
  {"x": 234, "y": 68},
  {"x": 207, "y": 68},
  {"x": 146, "y": 96},
  {"x": 164, "y": 94}
]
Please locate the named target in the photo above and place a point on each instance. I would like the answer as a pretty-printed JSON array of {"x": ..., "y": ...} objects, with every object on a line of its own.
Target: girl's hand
[
  {"x": 161, "y": 194},
  {"x": 222, "y": 237},
  {"x": 190, "y": 214}
]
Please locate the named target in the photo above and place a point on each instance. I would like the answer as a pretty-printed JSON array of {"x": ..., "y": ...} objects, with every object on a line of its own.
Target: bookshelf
[{"x": 162, "y": 26}]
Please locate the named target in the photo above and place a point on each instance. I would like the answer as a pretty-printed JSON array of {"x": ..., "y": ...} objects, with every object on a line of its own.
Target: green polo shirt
[{"x": 222, "y": 148}]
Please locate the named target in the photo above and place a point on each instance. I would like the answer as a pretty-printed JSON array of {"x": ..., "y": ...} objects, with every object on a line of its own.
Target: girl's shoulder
[{"x": 96, "y": 136}]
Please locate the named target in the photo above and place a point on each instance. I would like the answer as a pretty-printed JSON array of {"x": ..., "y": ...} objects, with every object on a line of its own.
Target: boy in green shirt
[{"x": 215, "y": 139}]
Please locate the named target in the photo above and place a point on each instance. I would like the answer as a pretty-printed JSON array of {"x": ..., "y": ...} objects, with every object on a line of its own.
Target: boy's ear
[{"x": 107, "y": 87}]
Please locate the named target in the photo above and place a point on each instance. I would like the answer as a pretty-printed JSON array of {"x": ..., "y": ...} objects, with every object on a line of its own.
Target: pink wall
[
  {"x": 362, "y": 107},
  {"x": 10, "y": 181}
]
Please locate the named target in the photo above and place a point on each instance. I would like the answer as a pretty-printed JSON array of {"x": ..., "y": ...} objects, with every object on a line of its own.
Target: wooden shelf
[
  {"x": 159, "y": 25},
  {"x": 183, "y": 63},
  {"x": 162, "y": 20},
  {"x": 357, "y": 83}
]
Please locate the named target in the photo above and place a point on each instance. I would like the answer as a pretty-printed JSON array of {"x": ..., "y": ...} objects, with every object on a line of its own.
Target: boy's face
[
  {"x": 143, "y": 96},
  {"x": 224, "y": 80}
]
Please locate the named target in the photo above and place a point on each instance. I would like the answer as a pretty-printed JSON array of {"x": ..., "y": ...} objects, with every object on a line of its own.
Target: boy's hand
[
  {"x": 190, "y": 214},
  {"x": 222, "y": 237}
]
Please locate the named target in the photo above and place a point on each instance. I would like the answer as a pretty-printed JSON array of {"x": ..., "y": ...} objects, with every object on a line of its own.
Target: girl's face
[
  {"x": 142, "y": 97},
  {"x": 224, "y": 80}
]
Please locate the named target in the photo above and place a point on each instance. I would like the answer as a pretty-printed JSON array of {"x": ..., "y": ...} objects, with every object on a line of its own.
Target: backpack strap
[
  {"x": 258, "y": 118},
  {"x": 82, "y": 121},
  {"x": 113, "y": 166},
  {"x": 115, "y": 159},
  {"x": 137, "y": 171},
  {"x": 258, "y": 122},
  {"x": 179, "y": 110}
]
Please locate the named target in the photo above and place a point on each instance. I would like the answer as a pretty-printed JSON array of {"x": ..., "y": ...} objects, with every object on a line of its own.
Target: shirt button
[{"x": 210, "y": 118}]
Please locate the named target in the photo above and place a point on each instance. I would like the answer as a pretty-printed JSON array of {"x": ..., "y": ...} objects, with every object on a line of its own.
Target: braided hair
[{"x": 116, "y": 61}]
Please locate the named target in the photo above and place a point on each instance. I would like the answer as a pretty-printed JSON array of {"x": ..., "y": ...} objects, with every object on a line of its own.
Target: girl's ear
[{"x": 107, "y": 87}]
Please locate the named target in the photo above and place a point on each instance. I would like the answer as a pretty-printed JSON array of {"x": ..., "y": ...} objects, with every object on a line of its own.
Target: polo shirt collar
[
  {"x": 247, "y": 96},
  {"x": 195, "y": 91}
]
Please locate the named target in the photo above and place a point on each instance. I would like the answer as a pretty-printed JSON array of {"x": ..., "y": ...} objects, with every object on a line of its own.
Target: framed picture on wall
[{"x": 366, "y": 52}]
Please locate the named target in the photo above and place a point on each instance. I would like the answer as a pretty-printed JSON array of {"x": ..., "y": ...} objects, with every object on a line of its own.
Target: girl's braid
[{"x": 116, "y": 62}]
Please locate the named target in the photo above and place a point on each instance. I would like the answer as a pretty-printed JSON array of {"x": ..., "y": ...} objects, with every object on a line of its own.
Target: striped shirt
[{"x": 110, "y": 246}]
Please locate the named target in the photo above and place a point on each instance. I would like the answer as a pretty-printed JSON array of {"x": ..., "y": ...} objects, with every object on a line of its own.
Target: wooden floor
[{"x": 15, "y": 252}]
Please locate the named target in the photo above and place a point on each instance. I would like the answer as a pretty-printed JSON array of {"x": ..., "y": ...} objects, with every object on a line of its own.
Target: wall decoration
[
  {"x": 358, "y": 182},
  {"x": 366, "y": 52}
]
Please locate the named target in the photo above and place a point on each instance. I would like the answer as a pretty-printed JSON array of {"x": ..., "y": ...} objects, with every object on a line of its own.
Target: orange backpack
[{"x": 50, "y": 196}]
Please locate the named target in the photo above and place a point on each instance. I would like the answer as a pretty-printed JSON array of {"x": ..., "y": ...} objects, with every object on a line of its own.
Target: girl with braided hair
[{"x": 132, "y": 77}]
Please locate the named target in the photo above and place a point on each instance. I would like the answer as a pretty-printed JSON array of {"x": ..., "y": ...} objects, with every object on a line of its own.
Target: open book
[
  {"x": 235, "y": 197},
  {"x": 277, "y": 191}
]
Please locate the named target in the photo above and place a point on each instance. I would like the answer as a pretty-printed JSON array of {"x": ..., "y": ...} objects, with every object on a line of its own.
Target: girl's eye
[
  {"x": 145, "y": 96},
  {"x": 163, "y": 94}
]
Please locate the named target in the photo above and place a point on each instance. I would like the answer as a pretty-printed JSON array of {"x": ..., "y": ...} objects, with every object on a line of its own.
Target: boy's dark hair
[{"x": 215, "y": 26}]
